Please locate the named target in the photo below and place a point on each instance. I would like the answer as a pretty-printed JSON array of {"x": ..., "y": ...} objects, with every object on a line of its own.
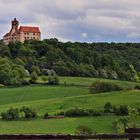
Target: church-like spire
[{"x": 15, "y": 24}]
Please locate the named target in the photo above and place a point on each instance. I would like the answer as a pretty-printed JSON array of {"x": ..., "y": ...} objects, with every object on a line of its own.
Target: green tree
[
  {"x": 34, "y": 77},
  {"x": 11, "y": 114},
  {"x": 53, "y": 79},
  {"x": 134, "y": 74},
  {"x": 108, "y": 108},
  {"x": 28, "y": 113},
  {"x": 44, "y": 78}
]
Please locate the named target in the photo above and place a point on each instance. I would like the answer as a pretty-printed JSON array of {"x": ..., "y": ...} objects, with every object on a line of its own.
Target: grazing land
[{"x": 71, "y": 93}]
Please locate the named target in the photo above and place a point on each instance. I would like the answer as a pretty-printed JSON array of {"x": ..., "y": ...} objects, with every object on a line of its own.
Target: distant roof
[{"x": 29, "y": 29}]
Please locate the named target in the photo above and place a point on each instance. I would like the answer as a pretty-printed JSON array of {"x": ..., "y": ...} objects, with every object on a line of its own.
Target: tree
[
  {"x": 36, "y": 69},
  {"x": 11, "y": 114},
  {"x": 53, "y": 79},
  {"x": 10, "y": 73},
  {"x": 34, "y": 77},
  {"x": 46, "y": 115},
  {"x": 28, "y": 113},
  {"x": 134, "y": 74},
  {"x": 108, "y": 108},
  {"x": 122, "y": 110},
  {"x": 44, "y": 78},
  {"x": 133, "y": 117}
]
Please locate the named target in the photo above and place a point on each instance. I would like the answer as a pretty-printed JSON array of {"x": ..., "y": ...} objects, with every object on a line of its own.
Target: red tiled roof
[{"x": 29, "y": 29}]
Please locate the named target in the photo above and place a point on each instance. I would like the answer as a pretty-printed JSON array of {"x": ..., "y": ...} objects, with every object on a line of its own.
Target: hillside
[
  {"x": 54, "y": 99},
  {"x": 106, "y": 60}
]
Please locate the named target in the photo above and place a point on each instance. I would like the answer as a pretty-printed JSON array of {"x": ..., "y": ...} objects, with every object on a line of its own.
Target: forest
[{"x": 104, "y": 60}]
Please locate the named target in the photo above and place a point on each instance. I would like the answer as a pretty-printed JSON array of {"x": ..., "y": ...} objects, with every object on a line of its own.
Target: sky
[{"x": 76, "y": 20}]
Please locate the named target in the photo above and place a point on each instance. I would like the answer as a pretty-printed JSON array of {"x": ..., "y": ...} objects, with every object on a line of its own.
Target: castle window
[
  {"x": 33, "y": 33},
  {"x": 25, "y": 38},
  {"x": 25, "y": 33},
  {"x": 33, "y": 37}
]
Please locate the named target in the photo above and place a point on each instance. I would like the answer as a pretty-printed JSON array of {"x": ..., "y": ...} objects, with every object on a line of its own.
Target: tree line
[{"x": 106, "y": 60}]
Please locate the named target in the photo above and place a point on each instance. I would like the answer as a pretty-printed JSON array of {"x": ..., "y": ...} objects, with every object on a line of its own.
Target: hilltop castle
[{"x": 22, "y": 33}]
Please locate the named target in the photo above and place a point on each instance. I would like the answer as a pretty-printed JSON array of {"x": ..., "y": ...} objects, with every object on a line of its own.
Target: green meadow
[{"x": 72, "y": 92}]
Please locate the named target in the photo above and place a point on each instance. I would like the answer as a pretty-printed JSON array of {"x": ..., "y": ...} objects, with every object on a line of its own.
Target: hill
[
  {"x": 54, "y": 99},
  {"x": 106, "y": 60}
]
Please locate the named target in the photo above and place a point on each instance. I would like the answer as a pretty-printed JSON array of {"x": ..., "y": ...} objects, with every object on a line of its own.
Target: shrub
[
  {"x": 108, "y": 108},
  {"x": 122, "y": 110},
  {"x": 62, "y": 113},
  {"x": 28, "y": 113},
  {"x": 121, "y": 124},
  {"x": 76, "y": 112},
  {"x": 1, "y": 85},
  {"x": 46, "y": 115},
  {"x": 83, "y": 130},
  {"x": 34, "y": 77},
  {"x": 25, "y": 82},
  {"x": 53, "y": 79},
  {"x": 11, "y": 114},
  {"x": 94, "y": 113},
  {"x": 137, "y": 87},
  {"x": 44, "y": 78},
  {"x": 101, "y": 86}
]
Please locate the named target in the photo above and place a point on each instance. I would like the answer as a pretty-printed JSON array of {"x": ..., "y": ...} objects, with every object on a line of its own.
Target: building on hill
[{"x": 21, "y": 33}]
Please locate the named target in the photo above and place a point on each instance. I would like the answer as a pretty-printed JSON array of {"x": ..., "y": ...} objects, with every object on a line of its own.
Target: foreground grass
[{"x": 55, "y": 126}]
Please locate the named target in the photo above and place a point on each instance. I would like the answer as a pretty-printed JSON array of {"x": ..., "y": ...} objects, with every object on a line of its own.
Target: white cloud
[
  {"x": 84, "y": 35},
  {"x": 134, "y": 35}
]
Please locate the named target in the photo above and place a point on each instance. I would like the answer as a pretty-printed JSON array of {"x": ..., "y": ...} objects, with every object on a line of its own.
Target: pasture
[{"x": 72, "y": 92}]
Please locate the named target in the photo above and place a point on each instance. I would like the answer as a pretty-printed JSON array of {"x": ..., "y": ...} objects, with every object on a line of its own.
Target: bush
[
  {"x": 101, "y": 86},
  {"x": 53, "y": 79},
  {"x": 122, "y": 110},
  {"x": 44, "y": 78},
  {"x": 108, "y": 108},
  {"x": 11, "y": 114},
  {"x": 28, "y": 113},
  {"x": 1, "y": 85},
  {"x": 76, "y": 112},
  {"x": 34, "y": 77},
  {"x": 25, "y": 82},
  {"x": 83, "y": 130},
  {"x": 46, "y": 115},
  {"x": 94, "y": 113},
  {"x": 137, "y": 87},
  {"x": 121, "y": 124}
]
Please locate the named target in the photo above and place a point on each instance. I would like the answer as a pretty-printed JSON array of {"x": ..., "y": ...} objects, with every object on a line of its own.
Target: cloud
[
  {"x": 134, "y": 35},
  {"x": 84, "y": 35},
  {"x": 76, "y": 20}
]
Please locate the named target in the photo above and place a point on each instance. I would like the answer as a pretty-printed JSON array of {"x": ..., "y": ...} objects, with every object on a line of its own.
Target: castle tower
[{"x": 15, "y": 24}]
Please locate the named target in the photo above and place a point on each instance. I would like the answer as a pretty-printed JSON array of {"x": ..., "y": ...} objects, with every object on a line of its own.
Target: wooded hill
[{"x": 106, "y": 60}]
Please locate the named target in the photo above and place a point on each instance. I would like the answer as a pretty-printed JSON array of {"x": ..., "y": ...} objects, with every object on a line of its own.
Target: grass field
[{"x": 54, "y": 99}]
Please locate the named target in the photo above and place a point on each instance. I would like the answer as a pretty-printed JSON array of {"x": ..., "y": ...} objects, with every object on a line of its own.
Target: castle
[{"x": 21, "y": 33}]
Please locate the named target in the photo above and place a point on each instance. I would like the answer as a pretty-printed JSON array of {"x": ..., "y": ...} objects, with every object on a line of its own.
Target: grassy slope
[
  {"x": 53, "y": 126},
  {"x": 87, "y": 81},
  {"x": 52, "y": 98}
]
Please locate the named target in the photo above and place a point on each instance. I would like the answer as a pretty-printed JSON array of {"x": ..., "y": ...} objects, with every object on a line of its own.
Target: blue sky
[{"x": 76, "y": 20}]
